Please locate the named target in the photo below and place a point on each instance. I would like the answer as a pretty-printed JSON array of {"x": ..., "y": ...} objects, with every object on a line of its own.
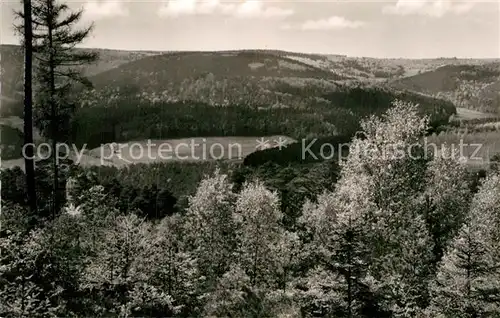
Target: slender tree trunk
[
  {"x": 170, "y": 270},
  {"x": 255, "y": 258},
  {"x": 349, "y": 272},
  {"x": 23, "y": 296},
  {"x": 470, "y": 309},
  {"x": 29, "y": 162},
  {"x": 53, "y": 115}
]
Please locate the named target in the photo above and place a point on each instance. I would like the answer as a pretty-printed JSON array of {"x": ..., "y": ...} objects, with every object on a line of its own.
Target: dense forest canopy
[{"x": 321, "y": 240}]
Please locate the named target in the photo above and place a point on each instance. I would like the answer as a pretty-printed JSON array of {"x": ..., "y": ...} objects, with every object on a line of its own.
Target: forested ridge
[
  {"x": 132, "y": 118},
  {"x": 389, "y": 237}
]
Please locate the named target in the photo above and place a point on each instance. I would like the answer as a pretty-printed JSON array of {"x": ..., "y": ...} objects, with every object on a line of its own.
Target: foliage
[
  {"x": 447, "y": 190},
  {"x": 467, "y": 283},
  {"x": 339, "y": 282},
  {"x": 134, "y": 119},
  {"x": 176, "y": 272},
  {"x": 294, "y": 183},
  {"x": 20, "y": 295},
  {"x": 376, "y": 208},
  {"x": 265, "y": 246},
  {"x": 54, "y": 38},
  {"x": 11, "y": 144},
  {"x": 115, "y": 274},
  {"x": 16, "y": 190},
  {"x": 381, "y": 233},
  {"x": 470, "y": 86},
  {"x": 210, "y": 227},
  {"x": 129, "y": 117}
]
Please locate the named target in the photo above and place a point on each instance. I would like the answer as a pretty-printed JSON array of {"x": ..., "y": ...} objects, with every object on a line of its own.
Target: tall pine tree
[
  {"x": 467, "y": 283},
  {"x": 340, "y": 284},
  {"x": 379, "y": 197},
  {"x": 58, "y": 66},
  {"x": 385, "y": 173}
]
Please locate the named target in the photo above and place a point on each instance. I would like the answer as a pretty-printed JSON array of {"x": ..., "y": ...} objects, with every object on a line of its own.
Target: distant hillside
[
  {"x": 11, "y": 66},
  {"x": 11, "y": 72},
  {"x": 150, "y": 95},
  {"x": 258, "y": 77},
  {"x": 473, "y": 87},
  {"x": 227, "y": 76},
  {"x": 262, "y": 78},
  {"x": 294, "y": 88},
  {"x": 180, "y": 65},
  {"x": 217, "y": 78}
]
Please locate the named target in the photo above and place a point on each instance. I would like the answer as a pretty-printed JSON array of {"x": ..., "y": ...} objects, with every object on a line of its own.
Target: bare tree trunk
[
  {"x": 54, "y": 117},
  {"x": 29, "y": 162}
]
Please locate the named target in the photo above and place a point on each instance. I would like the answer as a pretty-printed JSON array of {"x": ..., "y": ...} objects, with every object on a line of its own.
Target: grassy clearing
[
  {"x": 478, "y": 147},
  {"x": 157, "y": 151},
  {"x": 468, "y": 114},
  {"x": 185, "y": 149}
]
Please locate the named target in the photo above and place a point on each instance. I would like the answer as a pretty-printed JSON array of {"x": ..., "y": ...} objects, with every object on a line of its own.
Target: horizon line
[{"x": 279, "y": 50}]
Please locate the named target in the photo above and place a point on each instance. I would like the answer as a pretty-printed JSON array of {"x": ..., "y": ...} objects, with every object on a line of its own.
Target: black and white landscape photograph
[{"x": 250, "y": 158}]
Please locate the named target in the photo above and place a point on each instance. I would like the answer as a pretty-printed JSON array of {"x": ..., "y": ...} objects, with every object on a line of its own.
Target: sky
[{"x": 373, "y": 28}]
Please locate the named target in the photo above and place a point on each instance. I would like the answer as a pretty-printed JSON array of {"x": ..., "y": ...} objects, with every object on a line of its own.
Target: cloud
[
  {"x": 245, "y": 9},
  {"x": 105, "y": 9},
  {"x": 252, "y": 8},
  {"x": 332, "y": 23},
  {"x": 431, "y": 8},
  {"x": 185, "y": 7}
]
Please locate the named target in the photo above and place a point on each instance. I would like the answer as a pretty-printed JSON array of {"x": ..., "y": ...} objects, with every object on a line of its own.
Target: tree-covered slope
[{"x": 469, "y": 86}]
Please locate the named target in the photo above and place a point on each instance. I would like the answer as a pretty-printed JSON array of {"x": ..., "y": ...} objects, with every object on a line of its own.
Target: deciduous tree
[
  {"x": 210, "y": 227},
  {"x": 468, "y": 280}
]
